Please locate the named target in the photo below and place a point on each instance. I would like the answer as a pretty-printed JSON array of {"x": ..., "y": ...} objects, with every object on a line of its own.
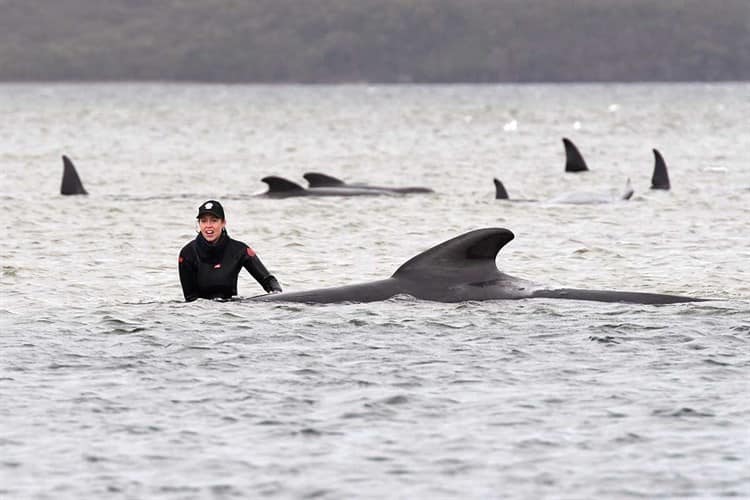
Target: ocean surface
[{"x": 113, "y": 387}]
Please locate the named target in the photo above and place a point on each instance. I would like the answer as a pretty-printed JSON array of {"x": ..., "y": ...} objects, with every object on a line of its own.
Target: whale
[
  {"x": 572, "y": 198},
  {"x": 660, "y": 177},
  {"x": 594, "y": 197},
  {"x": 462, "y": 269},
  {"x": 279, "y": 187},
  {"x": 317, "y": 180},
  {"x": 71, "y": 183},
  {"x": 574, "y": 161}
]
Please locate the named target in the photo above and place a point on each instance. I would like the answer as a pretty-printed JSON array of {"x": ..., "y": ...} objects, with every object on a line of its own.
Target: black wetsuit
[{"x": 209, "y": 271}]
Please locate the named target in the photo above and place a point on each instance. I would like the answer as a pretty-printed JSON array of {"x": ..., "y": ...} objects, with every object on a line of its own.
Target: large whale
[
  {"x": 574, "y": 197},
  {"x": 278, "y": 187},
  {"x": 462, "y": 269},
  {"x": 660, "y": 177},
  {"x": 71, "y": 183},
  {"x": 317, "y": 180},
  {"x": 574, "y": 161}
]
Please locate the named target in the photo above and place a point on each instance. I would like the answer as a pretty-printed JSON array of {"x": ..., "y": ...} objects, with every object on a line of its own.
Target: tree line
[{"x": 388, "y": 41}]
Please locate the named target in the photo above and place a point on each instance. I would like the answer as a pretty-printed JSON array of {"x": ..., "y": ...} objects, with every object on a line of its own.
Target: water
[{"x": 113, "y": 387}]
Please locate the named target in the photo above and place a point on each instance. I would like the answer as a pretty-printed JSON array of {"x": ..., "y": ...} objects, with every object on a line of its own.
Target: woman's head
[{"x": 211, "y": 220}]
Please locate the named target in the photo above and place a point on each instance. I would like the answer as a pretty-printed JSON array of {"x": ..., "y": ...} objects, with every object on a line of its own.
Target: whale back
[
  {"x": 459, "y": 269},
  {"x": 574, "y": 161},
  {"x": 71, "y": 183},
  {"x": 318, "y": 180}
]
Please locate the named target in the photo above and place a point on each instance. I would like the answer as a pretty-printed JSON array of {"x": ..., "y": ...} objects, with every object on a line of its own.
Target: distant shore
[{"x": 375, "y": 41}]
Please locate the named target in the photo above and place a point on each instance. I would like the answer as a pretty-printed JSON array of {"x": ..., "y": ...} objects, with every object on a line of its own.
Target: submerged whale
[
  {"x": 71, "y": 183},
  {"x": 574, "y": 161},
  {"x": 574, "y": 198},
  {"x": 462, "y": 269},
  {"x": 660, "y": 177},
  {"x": 278, "y": 187},
  {"x": 317, "y": 180}
]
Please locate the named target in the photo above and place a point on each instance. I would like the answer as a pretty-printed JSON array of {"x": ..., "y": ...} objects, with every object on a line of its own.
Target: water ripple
[{"x": 132, "y": 393}]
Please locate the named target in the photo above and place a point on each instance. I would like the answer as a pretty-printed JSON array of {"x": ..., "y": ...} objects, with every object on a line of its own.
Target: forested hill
[{"x": 375, "y": 40}]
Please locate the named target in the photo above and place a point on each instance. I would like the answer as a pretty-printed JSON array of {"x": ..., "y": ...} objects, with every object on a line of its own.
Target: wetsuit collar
[{"x": 211, "y": 251}]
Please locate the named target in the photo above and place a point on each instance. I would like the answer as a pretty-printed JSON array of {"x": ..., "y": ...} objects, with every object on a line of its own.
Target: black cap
[{"x": 212, "y": 207}]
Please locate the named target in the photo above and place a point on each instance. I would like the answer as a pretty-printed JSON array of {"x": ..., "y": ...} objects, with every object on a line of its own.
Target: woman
[{"x": 209, "y": 264}]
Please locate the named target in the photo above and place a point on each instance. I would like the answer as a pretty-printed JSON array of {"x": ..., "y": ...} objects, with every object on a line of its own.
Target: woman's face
[{"x": 210, "y": 227}]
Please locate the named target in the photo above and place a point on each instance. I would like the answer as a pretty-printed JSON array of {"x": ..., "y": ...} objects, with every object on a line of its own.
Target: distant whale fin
[
  {"x": 71, "y": 183},
  {"x": 500, "y": 192},
  {"x": 281, "y": 185},
  {"x": 470, "y": 256},
  {"x": 660, "y": 179},
  {"x": 322, "y": 180},
  {"x": 574, "y": 161},
  {"x": 628, "y": 192}
]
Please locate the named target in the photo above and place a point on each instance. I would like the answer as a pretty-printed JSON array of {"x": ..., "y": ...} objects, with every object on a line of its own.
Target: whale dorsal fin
[
  {"x": 660, "y": 179},
  {"x": 628, "y": 192},
  {"x": 470, "y": 256},
  {"x": 71, "y": 183},
  {"x": 574, "y": 161},
  {"x": 316, "y": 179},
  {"x": 281, "y": 185},
  {"x": 500, "y": 192}
]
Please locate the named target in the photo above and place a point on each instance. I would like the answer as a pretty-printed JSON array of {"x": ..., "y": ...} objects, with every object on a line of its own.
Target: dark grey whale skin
[
  {"x": 71, "y": 183},
  {"x": 279, "y": 187},
  {"x": 462, "y": 269},
  {"x": 660, "y": 177},
  {"x": 574, "y": 161},
  {"x": 318, "y": 180}
]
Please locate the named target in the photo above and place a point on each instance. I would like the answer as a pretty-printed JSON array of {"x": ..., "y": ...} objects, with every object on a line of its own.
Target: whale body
[
  {"x": 594, "y": 197},
  {"x": 278, "y": 187},
  {"x": 462, "y": 269},
  {"x": 574, "y": 197},
  {"x": 317, "y": 180}
]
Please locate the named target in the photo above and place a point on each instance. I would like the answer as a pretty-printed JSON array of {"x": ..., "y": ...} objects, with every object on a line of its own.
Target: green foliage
[{"x": 375, "y": 40}]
